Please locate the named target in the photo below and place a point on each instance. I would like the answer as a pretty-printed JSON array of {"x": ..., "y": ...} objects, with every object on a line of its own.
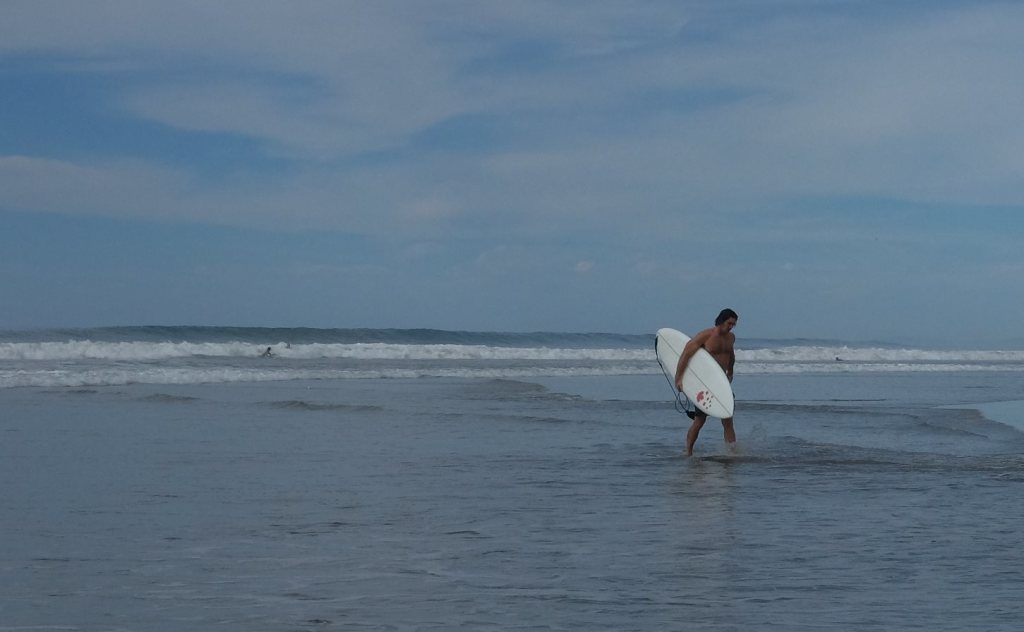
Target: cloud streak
[{"x": 918, "y": 109}]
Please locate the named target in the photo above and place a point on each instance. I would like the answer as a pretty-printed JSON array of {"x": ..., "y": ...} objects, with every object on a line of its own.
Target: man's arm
[{"x": 684, "y": 358}]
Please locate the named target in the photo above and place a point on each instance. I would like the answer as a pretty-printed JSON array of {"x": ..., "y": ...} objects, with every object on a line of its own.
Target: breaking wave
[{"x": 194, "y": 355}]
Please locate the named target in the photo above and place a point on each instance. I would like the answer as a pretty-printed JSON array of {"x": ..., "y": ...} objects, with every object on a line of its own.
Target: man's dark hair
[{"x": 725, "y": 315}]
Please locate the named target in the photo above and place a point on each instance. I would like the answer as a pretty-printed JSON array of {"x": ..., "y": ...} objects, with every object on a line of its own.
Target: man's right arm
[{"x": 684, "y": 358}]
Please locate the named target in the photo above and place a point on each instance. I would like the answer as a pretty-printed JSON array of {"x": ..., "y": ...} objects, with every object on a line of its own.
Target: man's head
[{"x": 724, "y": 318}]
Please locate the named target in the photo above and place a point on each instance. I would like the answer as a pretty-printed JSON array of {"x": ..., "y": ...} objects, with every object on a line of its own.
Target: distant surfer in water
[
  {"x": 720, "y": 343},
  {"x": 267, "y": 354}
]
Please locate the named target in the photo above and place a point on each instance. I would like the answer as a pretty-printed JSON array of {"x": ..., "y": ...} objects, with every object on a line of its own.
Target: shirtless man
[{"x": 719, "y": 342}]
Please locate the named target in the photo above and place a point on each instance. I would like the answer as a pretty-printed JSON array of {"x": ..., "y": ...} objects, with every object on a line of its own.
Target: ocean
[{"x": 171, "y": 478}]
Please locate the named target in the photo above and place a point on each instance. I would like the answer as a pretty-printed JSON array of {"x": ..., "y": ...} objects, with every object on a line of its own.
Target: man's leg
[
  {"x": 730, "y": 434},
  {"x": 691, "y": 434}
]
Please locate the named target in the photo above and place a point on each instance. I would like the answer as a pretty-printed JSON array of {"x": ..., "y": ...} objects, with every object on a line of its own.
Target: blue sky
[{"x": 849, "y": 170}]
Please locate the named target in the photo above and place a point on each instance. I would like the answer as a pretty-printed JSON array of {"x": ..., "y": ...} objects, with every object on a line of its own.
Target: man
[{"x": 720, "y": 343}]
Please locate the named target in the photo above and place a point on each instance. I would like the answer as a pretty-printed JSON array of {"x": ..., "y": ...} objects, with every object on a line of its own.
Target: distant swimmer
[
  {"x": 267, "y": 354},
  {"x": 720, "y": 343}
]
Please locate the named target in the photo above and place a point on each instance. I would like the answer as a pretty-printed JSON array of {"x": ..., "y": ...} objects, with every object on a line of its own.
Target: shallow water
[{"x": 855, "y": 502}]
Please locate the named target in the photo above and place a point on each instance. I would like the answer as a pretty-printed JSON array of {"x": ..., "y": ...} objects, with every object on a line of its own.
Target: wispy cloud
[{"x": 660, "y": 109}]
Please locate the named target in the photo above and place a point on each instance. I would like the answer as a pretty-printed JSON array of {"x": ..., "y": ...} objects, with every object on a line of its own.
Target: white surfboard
[{"x": 704, "y": 381}]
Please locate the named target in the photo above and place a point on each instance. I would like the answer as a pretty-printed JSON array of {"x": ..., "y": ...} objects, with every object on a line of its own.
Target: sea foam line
[
  {"x": 150, "y": 351},
  {"x": 117, "y": 376},
  {"x": 876, "y": 355},
  {"x": 183, "y": 376},
  {"x": 156, "y": 351}
]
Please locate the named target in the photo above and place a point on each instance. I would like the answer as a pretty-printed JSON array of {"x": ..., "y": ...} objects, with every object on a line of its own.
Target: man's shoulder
[{"x": 704, "y": 334}]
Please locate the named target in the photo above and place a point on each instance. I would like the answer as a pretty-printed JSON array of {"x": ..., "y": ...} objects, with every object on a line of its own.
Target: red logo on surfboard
[{"x": 704, "y": 397}]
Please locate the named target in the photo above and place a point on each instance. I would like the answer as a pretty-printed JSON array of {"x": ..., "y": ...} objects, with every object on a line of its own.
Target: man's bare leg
[
  {"x": 691, "y": 434},
  {"x": 730, "y": 434}
]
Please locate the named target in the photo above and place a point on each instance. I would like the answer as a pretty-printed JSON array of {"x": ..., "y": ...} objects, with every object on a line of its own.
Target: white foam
[
  {"x": 877, "y": 355},
  {"x": 93, "y": 363},
  {"x": 155, "y": 351},
  {"x": 120, "y": 377},
  {"x": 871, "y": 367}
]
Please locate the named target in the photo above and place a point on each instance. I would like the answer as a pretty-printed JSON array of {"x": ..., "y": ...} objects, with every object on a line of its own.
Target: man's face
[{"x": 727, "y": 326}]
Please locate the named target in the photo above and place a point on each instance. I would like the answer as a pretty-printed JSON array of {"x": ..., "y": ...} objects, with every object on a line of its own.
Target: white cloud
[
  {"x": 317, "y": 78},
  {"x": 395, "y": 202},
  {"x": 123, "y": 188},
  {"x": 916, "y": 106}
]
